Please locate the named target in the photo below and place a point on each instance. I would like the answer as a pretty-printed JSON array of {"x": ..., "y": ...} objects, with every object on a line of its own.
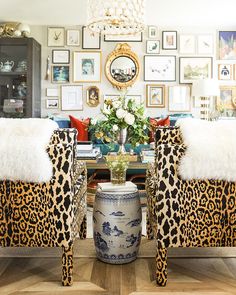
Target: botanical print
[
  {"x": 205, "y": 44},
  {"x": 187, "y": 44},
  {"x": 88, "y": 66},
  {"x": 227, "y": 45},
  {"x": 73, "y": 37}
]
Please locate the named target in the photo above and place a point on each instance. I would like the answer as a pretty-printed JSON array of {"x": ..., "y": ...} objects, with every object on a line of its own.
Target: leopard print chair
[
  {"x": 48, "y": 214},
  {"x": 196, "y": 213}
]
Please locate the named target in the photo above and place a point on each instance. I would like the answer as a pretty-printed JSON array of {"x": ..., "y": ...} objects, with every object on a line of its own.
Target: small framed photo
[
  {"x": 93, "y": 96},
  {"x": 169, "y": 40},
  {"x": 155, "y": 96},
  {"x": 152, "y": 32},
  {"x": 153, "y": 47},
  {"x": 56, "y": 37},
  {"x": 124, "y": 38},
  {"x": 187, "y": 44},
  {"x": 72, "y": 37},
  {"x": 227, "y": 97},
  {"x": 205, "y": 44},
  {"x": 87, "y": 66},
  {"x": 60, "y": 56},
  {"x": 179, "y": 98},
  {"x": 52, "y": 92},
  {"x": 227, "y": 40},
  {"x": 52, "y": 103},
  {"x": 90, "y": 40},
  {"x": 72, "y": 98},
  {"x": 224, "y": 72},
  {"x": 160, "y": 68},
  {"x": 60, "y": 74},
  {"x": 194, "y": 68}
]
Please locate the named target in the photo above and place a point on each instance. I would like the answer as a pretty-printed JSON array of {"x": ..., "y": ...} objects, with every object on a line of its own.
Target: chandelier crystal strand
[{"x": 116, "y": 17}]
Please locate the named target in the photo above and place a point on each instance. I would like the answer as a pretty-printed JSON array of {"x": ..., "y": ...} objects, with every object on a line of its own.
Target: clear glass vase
[{"x": 118, "y": 176}]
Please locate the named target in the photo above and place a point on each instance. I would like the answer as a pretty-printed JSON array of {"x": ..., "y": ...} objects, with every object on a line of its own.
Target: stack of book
[
  {"x": 147, "y": 156},
  {"x": 86, "y": 152}
]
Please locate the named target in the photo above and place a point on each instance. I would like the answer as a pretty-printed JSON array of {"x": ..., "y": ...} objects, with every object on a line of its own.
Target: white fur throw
[
  {"x": 211, "y": 149},
  {"x": 23, "y": 153}
]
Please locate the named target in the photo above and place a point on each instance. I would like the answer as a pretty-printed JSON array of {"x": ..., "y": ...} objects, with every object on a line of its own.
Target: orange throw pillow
[
  {"x": 81, "y": 126},
  {"x": 154, "y": 123}
]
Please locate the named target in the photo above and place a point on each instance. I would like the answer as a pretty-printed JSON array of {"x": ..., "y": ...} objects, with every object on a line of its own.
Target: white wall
[{"x": 40, "y": 34}]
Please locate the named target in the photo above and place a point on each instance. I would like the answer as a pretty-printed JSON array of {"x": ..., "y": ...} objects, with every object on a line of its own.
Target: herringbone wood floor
[{"x": 36, "y": 275}]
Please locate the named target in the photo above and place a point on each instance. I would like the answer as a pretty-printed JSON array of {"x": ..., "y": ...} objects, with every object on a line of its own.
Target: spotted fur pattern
[
  {"x": 47, "y": 214},
  {"x": 196, "y": 213}
]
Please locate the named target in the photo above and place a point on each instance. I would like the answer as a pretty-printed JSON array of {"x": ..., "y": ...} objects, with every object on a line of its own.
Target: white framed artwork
[
  {"x": 187, "y": 44},
  {"x": 160, "y": 68},
  {"x": 73, "y": 37},
  {"x": 205, "y": 44},
  {"x": 179, "y": 98},
  {"x": 72, "y": 98}
]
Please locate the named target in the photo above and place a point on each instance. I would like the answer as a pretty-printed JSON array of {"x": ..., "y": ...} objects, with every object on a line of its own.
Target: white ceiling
[{"x": 215, "y": 13}]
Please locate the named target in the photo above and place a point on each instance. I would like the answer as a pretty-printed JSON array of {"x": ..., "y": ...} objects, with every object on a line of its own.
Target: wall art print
[{"x": 227, "y": 45}]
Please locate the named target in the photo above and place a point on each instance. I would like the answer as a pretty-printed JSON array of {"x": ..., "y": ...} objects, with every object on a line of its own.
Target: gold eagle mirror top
[{"x": 122, "y": 67}]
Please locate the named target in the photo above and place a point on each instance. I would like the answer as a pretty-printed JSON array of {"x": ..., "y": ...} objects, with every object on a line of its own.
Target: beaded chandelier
[{"x": 116, "y": 17}]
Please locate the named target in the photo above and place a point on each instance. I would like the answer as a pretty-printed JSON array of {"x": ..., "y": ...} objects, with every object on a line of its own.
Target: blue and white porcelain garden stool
[{"x": 117, "y": 225}]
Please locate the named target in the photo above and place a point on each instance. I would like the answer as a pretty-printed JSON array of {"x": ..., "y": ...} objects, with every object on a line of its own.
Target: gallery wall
[{"x": 139, "y": 88}]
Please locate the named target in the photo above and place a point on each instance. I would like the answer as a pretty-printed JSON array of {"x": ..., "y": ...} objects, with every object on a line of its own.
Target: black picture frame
[
  {"x": 90, "y": 47},
  {"x": 171, "y": 47},
  {"x": 122, "y": 39},
  {"x": 60, "y": 61},
  {"x": 173, "y": 57}
]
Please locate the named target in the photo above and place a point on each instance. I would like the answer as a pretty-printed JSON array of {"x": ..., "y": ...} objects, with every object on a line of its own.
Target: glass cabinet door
[{"x": 13, "y": 80}]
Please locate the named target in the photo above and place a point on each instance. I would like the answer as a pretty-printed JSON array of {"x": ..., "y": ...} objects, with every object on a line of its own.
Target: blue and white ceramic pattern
[{"x": 117, "y": 226}]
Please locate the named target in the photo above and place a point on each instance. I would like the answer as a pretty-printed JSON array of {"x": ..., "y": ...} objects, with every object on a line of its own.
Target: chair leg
[
  {"x": 83, "y": 229},
  {"x": 161, "y": 266},
  {"x": 67, "y": 266},
  {"x": 149, "y": 230}
]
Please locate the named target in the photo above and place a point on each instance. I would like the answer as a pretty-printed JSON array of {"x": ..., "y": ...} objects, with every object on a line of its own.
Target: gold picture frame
[
  {"x": 227, "y": 98},
  {"x": 155, "y": 96},
  {"x": 93, "y": 96},
  {"x": 122, "y": 78}
]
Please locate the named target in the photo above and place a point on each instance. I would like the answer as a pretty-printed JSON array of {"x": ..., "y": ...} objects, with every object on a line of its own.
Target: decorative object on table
[
  {"x": 90, "y": 40},
  {"x": 116, "y": 17},
  {"x": 60, "y": 56},
  {"x": 13, "y": 106},
  {"x": 160, "y": 68},
  {"x": 72, "y": 98},
  {"x": 153, "y": 47},
  {"x": 187, "y": 44},
  {"x": 47, "y": 76},
  {"x": 227, "y": 41},
  {"x": 194, "y": 68},
  {"x": 72, "y": 37},
  {"x": 118, "y": 166},
  {"x": 24, "y": 29},
  {"x": 117, "y": 223},
  {"x": 206, "y": 89},
  {"x": 225, "y": 71},
  {"x": 155, "y": 96},
  {"x": 60, "y": 74},
  {"x": 7, "y": 66},
  {"x": 124, "y": 38},
  {"x": 52, "y": 103},
  {"x": 56, "y": 37},
  {"x": 152, "y": 32},
  {"x": 52, "y": 92},
  {"x": 21, "y": 66},
  {"x": 205, "y": 44},
  {"x": 93, "y": 96},
  {"x": 120, "y": 114},
  {"x": 227, "y": 96},
  {"x": 179, "y": 98},
  {"x": 87, "y": 66},
  {"x": 122, "y": 66},
  {"x": 169, "y": 40}
]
